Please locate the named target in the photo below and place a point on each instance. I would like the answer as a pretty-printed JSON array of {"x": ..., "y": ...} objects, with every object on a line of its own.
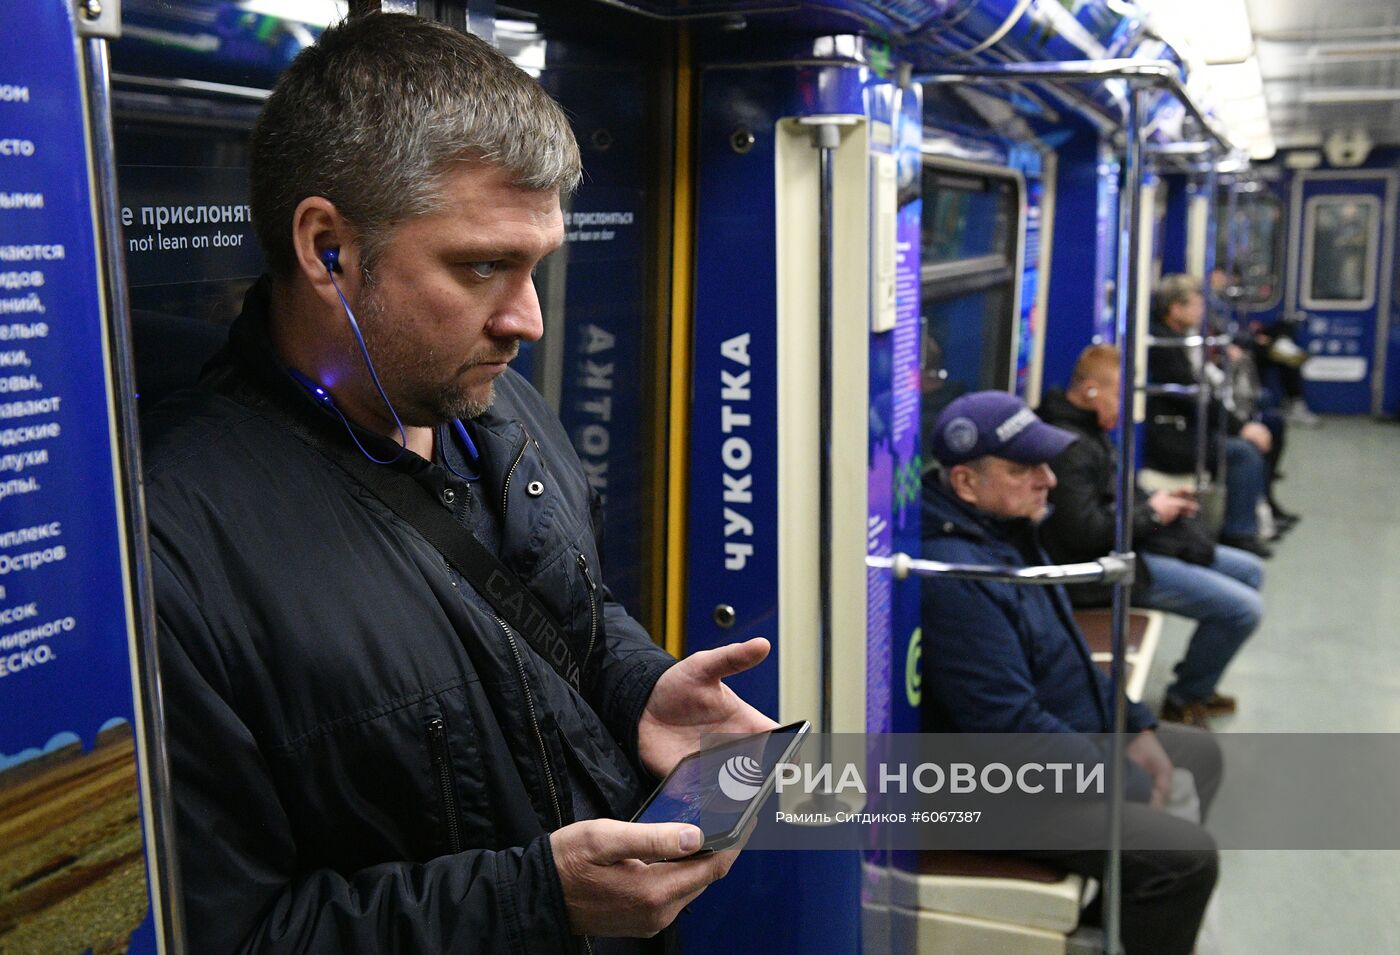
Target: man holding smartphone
[{"x": 378, "y": 745}]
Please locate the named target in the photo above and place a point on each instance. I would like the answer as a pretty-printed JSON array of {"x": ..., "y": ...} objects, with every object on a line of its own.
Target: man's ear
[
  {"x": 962, "y": 480},
  {"x": 317, "y": 226}
]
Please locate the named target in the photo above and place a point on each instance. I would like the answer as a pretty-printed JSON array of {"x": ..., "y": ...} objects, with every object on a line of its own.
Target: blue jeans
[
  {"x": 1223, "y": 598},
  {"x": 1246, "y": 479}
]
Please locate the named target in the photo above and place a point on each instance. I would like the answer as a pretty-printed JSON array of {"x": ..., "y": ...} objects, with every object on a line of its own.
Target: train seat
[
  {"x": 962, "y": 902},
  {"x": 1144, "y": 632}
]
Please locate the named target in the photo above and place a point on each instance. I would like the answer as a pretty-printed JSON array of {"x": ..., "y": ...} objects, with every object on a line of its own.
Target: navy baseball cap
[{"x": 994, "y": 422}]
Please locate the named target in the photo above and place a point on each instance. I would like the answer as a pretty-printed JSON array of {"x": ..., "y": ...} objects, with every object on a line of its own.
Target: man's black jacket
[
  {"x": 1082, "y": 519},
  {"x": 366, "y": 760},
  {"x": 1170, "y": 434}
]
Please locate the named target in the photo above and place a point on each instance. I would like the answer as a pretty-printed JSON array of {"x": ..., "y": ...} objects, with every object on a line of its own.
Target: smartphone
[{"x": 721, "y": 788}]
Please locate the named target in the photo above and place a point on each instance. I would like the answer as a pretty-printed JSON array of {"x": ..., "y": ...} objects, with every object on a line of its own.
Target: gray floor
[{"x": 1326, "y": 659}]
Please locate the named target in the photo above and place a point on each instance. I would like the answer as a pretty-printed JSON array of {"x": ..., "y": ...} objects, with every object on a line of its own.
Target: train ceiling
[
  {"x": 1286, "y": 74},
  {"x": 1331, "y": 70}
]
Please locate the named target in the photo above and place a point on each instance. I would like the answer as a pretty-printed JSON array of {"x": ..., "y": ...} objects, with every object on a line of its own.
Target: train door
[{"x": 1342, "y": 257}]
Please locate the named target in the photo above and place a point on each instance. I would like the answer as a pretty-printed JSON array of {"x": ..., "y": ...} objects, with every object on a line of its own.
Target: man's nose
[
  {"x": 520, "y": 316},
  {"x": 1047, "y": 476}
]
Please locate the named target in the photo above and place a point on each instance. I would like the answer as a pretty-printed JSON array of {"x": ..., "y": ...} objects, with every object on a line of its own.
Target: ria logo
[{"x": 740, "y": 778}]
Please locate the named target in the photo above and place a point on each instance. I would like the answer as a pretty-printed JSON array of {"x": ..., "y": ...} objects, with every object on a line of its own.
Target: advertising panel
[{"x": 74, "y": 832}]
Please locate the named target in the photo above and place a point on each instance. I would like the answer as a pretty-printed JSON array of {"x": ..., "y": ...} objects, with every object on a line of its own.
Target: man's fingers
[
  {"x": 612, "y": 841},
  {"x": 711, "y": 665}
]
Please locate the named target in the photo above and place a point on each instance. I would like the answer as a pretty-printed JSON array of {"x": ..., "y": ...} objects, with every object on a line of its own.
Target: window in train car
[
  {"x": 188, "y": 80},
  {"x": 1340, "y": 237},
  {"x": 970, "y": 238},
  {"x": 966, "y": 218},
  {"x": 1258, "y": 233}
]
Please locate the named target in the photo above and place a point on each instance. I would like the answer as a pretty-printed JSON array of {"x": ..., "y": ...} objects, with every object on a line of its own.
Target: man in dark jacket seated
[
  {"x": 1178, "y": 309},
  {"x": 1179, "y": 569},
  {"x": 1002, "y": 658},
  {"x": 370, "y": 755}
]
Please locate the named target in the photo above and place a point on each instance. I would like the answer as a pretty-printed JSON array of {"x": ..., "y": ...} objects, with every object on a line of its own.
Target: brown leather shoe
[
  {"x": 1218, "y": 704},
  {"x": 1192, "y": 714}
]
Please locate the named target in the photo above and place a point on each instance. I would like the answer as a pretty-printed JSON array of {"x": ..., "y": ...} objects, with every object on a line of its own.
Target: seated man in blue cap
[{"x": 1004, "y": 658}]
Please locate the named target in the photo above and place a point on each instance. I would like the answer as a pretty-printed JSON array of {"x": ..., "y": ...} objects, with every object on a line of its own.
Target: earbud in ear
[
  {"x": 331, "y": 260},
  {"x": 1092, "y": 392}
]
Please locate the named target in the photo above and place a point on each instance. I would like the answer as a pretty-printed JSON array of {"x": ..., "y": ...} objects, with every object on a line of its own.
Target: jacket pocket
[{"x": 443, "y": 776}]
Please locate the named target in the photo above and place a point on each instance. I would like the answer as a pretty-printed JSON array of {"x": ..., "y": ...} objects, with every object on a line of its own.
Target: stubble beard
[{"x": 422, "y": 404}]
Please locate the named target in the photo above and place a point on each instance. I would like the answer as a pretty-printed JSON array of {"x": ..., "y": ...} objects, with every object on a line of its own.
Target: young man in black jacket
[
  {"x": 1179, "y": 569},
  {"x": 370, "y": 754}
]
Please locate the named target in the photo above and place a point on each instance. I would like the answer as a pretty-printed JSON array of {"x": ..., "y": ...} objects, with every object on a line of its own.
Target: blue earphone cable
[
  {"x": 374, "y": 377},
  {"x": 331, "y": 259}
]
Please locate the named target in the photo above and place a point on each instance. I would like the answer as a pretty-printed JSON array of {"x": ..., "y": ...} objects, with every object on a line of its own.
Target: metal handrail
[
  {"x": 1186, "y": 341},
  {"x": 1106, "y": 570},
  {"x": 1139, "y": 73},
  {"x": 1169, "y": 389}
]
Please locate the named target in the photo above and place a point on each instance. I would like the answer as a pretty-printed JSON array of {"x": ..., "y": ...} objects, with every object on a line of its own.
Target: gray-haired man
[{"x": 368, "y": 756}]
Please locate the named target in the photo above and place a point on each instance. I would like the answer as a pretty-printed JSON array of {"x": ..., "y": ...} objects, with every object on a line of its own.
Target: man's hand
[
  {"x": 1258, "y": 435},
  {"x": 689, "y": 702},
  {"x": 1169, "y": 505},
  {"x": 615, "y": 883},
  {"x": 1147, "y": 752}
]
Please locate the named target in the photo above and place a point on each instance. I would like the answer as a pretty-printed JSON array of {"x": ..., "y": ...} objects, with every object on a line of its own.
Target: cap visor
[{"x": 1039, "y": 443}]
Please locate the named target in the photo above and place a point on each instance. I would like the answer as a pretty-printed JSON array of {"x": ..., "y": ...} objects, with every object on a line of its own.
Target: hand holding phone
[
  {"x": 721, "y": 788},
  {"x": 610, "y": 887}
]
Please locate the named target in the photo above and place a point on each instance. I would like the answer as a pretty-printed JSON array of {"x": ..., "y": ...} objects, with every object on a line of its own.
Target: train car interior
[{"x": 809, "y": 228}]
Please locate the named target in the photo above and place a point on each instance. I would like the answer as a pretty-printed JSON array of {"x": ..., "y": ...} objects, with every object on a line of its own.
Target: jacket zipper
[
  {"x": 505, "y": 488},
  {"x": 592, "y": 608},
  {"x": 520, "y": 663},
  {"x": 442, "y": 767},
  {"x": 534, "y": 723}
]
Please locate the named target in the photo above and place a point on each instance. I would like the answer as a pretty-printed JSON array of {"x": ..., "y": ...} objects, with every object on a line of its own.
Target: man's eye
[{"x": 483, "y": 269}]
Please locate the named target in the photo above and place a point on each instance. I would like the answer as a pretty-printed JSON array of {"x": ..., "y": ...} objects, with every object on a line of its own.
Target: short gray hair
[
  {"x": 1177, "y": 289},
  {"x": 374, "y": 115}
]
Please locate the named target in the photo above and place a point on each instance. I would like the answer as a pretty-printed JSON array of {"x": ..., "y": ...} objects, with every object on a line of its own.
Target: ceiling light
[
  {"x": 1236, "y": 80},
  {"x": 1359, "y": 51},
  {"x": 1342, "y": 94}
]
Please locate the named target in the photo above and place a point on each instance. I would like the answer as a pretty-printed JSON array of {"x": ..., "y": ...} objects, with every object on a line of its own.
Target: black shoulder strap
[{"x": 513, "y": 602}]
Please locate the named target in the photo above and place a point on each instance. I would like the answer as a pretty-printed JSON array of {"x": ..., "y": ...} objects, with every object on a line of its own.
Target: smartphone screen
[{"x": 719, "y": 789}]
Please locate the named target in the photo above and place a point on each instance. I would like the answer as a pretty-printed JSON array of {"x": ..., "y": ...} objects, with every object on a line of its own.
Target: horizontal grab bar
[
  {"x": 1186, "y": 341},
  {"x": 1105, "y": 570},
  {"x": 1170, "y": 389}
]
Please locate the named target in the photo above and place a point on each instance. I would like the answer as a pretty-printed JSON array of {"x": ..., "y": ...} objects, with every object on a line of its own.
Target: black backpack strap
[{"x": 513, "y": 602}]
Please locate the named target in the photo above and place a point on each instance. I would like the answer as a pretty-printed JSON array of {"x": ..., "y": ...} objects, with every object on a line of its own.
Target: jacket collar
[
  {"x": 1056, "y": 408},
  {"x": 945, "y": 514}
]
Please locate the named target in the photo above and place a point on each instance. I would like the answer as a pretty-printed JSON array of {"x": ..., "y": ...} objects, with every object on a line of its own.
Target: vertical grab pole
[
  {"x": 1203, "y": 397},
  {"x": 1207, "y": 329},
  {"x": 166, "y": 898},
  {"x": 1129, "y": 216},
  {"x": 826, "y": 137},
  {"x": 1231, "y": 322}
]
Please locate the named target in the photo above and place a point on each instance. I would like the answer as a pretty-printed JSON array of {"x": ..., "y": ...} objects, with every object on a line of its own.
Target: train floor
[{"x": 1326, "y": 659}]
